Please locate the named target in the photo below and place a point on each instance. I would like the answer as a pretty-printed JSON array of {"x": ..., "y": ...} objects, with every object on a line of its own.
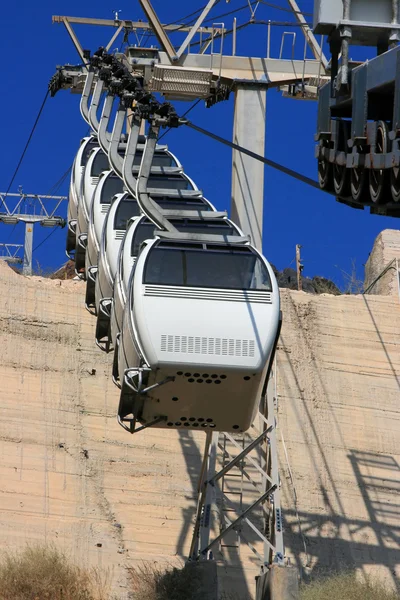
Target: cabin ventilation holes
[{"x": 187, "y": 344}]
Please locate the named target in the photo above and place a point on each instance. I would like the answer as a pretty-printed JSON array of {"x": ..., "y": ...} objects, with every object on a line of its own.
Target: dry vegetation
[
  {"x": 44, "y": 573},
  {"x": 346, "y": 587},
  {"x": 149, "y": 582}
]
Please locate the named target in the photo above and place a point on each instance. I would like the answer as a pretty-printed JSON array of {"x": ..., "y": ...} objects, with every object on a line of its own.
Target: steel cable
[
  {"x": 27, "y": 143},
  {"x": 266, "y": 161}
]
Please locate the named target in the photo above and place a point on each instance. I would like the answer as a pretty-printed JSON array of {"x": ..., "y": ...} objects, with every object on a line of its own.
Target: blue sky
[{"x": 334, "y": 237}]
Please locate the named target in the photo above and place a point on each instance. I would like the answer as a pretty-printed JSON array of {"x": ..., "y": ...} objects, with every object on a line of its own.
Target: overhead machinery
[{"x": 358, "y": 127}]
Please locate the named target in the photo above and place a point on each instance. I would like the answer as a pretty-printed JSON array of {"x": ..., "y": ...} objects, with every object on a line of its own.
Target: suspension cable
[
  {"x": 266, "y": 161},
  {"x": 27, "y": 143},
  {"x": 45, "y": 239},
  {"x": 289, "y": 10}
]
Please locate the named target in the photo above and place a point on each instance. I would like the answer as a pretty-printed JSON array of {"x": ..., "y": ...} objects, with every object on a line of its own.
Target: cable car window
[
  {"x": 100, "y": 163},
  {"x": 211, "y": 269},
  {"x": 173, "y": 204},
  {"x": 112, "y": 185},
  {"x": 144, "y": 231},
  {"x": 169, "y": 182},
  {"x": 125, "y": 211},
  {"x": 85, "y": 154}
]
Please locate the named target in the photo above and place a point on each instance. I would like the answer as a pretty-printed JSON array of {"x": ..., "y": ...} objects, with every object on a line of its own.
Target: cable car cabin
[
  {"x": 199, "y": 330},
  {"x": 97, "y": 163},
  {"x": 75, "y": 190},
  {"x": 101, "y": 204},
  {"x": 163, "y": 160},
  {"x": 130, "y": 245},
  {"x": 123, "y": 208},
  {"x": 142, "y": 229},
  {"x": 108, "y": 187}
]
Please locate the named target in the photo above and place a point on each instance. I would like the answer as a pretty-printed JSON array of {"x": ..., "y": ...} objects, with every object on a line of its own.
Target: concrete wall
[
  {"x": 386, "y": 249},
  {"x": 71, "y": 475}
]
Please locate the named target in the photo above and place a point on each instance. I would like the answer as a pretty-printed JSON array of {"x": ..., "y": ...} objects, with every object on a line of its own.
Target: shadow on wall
[
  {"x": 334, "y": 540},
  {"x": 375, "y": 540}
]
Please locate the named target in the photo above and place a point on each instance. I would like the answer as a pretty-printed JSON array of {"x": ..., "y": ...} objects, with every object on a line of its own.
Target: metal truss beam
[
  {"x": 213, "y": 501},
  {"x": 126, "y": 24},
  {"x": 8, "y": 253},
  {"x": 308, "y": 34},
  {"x": 159, "y": 30},
  {"x": 30, "y": 209},
  {"x": 195, "y": 27}
]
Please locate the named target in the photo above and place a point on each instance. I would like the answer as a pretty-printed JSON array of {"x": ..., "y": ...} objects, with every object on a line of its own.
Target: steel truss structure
[
  {"x": 30, "y": 209},
  {"x": 9, "y": 253},
  {"x": 250, "y": 457}
]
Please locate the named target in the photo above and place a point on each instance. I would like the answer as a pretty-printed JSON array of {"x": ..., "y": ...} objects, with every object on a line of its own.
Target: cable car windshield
[
  {"x": 182, "y": 204},
  {"x": 100, "y": 164},
  {"x": 87, "y": 150},
  {"x": 175, "y": 182},
  {"x": 126, "y": 210},
  {"x": 211, "y": 268},
  {"x": 112, "y": 185},
  {"x": 160, "y": 159}
]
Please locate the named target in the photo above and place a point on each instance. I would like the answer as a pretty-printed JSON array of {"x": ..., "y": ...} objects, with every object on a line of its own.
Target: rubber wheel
[
  {"x": 395, "y": 183},
  {"x": 379, "y": 178},
  {"x": 358, "y": 184},
  {"x": 325, "y": 174},
  {"x": 341, "y": 175}
]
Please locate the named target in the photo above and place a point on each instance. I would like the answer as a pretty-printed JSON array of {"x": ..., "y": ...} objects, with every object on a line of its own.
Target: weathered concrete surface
[
  {"x": 386, "y": 249},
  {"x": 71, "y": 475},
  {"x": 339, "y": 411}
]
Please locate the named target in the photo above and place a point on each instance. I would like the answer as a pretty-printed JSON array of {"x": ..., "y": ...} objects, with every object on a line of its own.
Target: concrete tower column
[{"x": 247, "y": 173}]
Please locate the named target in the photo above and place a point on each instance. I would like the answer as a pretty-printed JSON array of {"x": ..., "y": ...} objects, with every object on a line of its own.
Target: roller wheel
[
  {"x": 358, "y": 184},
  {"x": 341, "y": 175},
  {"x": 395, "y": 183},
  {"x": 379, "y": 178},
  {"x": 325, "y": 174}
]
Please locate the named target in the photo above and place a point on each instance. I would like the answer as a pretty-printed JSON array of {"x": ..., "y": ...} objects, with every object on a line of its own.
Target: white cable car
[
  {"x": 199, "y": 330},
  {"x": 141, "y": 229},
  {"x": 161, "y": 177},
  {"x": 123, "y": 208},
  {"x": 129, "y": 251},
  {"x": 75, "y": 189},
  {"x": 96, "y": 164},
  {"x": 163, "y": 163},
  {"x": 109, "y": 185}
]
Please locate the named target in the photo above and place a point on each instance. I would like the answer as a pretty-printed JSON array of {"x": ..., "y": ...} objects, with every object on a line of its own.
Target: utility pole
[
  {"x": 30, "y": 209},
  {"x": 299, "y": 268}
]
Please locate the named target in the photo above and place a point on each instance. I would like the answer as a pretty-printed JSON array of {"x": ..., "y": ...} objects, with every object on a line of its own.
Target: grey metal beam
[
  {"x": 195, "y": 27},
  {"x": 116, "y": 160},
  {"x": 310, "y": 37},
  {"x": 158, "y": 29},
  {"x": 114, "y": 37},
  {"x": 87, "y": 90},
  {"x": 126, "y": 24},
  {"x": 74, "y": 39}
]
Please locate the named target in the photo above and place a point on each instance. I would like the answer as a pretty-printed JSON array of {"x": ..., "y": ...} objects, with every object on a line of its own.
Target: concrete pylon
[
  {"x": 248, "y": 173},
  {"x": 279, "y": 583}
]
